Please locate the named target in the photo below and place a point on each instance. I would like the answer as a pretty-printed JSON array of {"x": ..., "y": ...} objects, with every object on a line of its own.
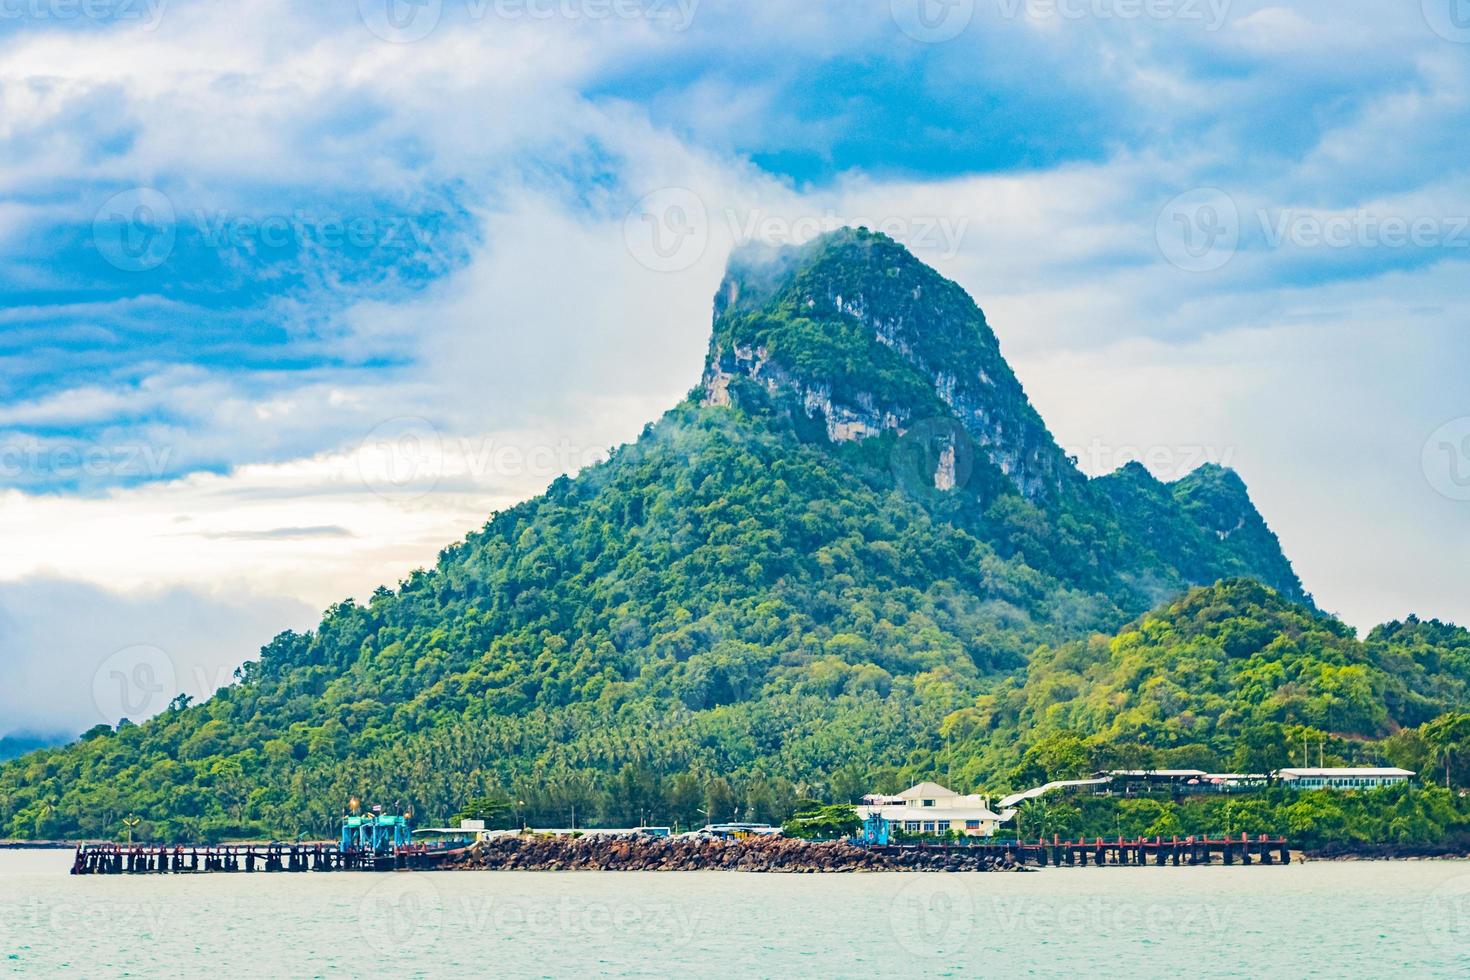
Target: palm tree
[{"x": 1054, "y": 815}]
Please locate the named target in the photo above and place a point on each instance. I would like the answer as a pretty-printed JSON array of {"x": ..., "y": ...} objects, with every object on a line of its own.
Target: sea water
[{"x": 1315, "y": 919}]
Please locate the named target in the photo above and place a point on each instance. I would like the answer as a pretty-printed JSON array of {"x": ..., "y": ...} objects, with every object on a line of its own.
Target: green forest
[{"x": 736, "y": 616}]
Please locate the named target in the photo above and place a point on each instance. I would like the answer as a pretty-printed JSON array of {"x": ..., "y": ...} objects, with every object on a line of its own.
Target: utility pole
[{"x": 949, "y": 751}]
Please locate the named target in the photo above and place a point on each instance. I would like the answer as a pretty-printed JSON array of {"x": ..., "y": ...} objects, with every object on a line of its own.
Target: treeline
[
  {"x": 1229, "y": 678},
  {"x": 194, "y": 774}
]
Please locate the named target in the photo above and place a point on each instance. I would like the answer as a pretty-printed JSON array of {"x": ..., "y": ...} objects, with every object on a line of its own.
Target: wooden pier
[
  {"x": 1122, "y": 852},
  {"x": 113, "y": 859}
]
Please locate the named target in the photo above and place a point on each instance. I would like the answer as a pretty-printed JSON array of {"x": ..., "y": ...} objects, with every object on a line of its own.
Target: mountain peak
[
  {"x": 852, "y": 332},
  {"x": 757, "y": 270}
]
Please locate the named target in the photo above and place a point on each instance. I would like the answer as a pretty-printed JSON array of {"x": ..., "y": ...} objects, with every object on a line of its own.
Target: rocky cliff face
[{"x": 855, "y": 334}]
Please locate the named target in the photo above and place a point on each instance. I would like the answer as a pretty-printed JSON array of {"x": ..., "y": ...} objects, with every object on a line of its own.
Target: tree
[
  {"x": 837, "y": 820},
  {"x": 1044, "y": 816},
  {"x": 231, "y": 785},
  {"x": 719, "y": 800},
  {"x": 1261, "y": 749},
  {"x": 495, "y": 809},
  {"x": 1448, "y": 736},
  {"x": 1061, "y": 755}
]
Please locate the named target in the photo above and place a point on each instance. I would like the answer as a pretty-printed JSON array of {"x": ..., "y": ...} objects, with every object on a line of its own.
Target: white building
[
  {"x": 1344, "y": 778},
  {"x": 929, "y": 808}
]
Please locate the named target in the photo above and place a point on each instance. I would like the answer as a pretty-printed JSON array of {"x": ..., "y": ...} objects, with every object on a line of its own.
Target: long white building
[{"x": 1343, "y": 778}]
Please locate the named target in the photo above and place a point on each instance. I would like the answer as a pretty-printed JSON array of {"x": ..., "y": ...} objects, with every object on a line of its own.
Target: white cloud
[{"x": 381, "y": 506}]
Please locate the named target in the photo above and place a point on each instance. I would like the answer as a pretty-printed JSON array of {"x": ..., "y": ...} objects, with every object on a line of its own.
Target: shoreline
[
  {"x": 776, "y": 855},
  {"x": 1383, "y": 852}
]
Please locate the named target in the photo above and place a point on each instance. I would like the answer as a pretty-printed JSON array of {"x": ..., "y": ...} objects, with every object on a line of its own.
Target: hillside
[
  {"x": 1231, "y": 677},
  {"x": 854, "y": 527}
]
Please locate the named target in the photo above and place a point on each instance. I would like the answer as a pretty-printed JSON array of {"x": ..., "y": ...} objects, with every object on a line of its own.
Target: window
[
  {"x": 911, "y": 825},
  {"x": 972, "y": 825},
  {"x": 926, "y": 802},
  {"x": 929, "y": 827}
]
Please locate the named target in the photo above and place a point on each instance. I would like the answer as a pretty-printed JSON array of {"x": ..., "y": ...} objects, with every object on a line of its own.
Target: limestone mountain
[
  {"x": 855, "y": 526},
  {"x": 852, "y": 338}
]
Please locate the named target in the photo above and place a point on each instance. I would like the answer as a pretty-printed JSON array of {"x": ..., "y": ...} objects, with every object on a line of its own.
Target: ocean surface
[{"x": 1315, "y": 919}]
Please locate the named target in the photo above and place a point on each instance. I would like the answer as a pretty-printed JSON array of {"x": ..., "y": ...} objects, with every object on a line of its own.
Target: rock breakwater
[{"x": 697, "y": 853}]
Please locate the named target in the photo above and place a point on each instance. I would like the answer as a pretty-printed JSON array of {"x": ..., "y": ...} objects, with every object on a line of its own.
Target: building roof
[
  {"x": 1165, "y": 773},
  {"x": 929, "y": 813},
  {"x": 1344, "y": 772},
  {"x": 926, "y": 791}
]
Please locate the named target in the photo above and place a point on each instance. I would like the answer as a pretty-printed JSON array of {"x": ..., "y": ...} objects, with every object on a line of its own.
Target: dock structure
[
  {"x": 112, "y": 859},
  {"x": 1122, "y": 852}
]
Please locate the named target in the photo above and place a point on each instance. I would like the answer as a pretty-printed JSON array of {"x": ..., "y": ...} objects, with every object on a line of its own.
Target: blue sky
[{"x": 295, "y": 294}]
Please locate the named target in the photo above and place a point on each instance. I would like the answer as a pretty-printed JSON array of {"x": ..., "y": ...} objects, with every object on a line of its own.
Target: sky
[{"x": 293, "y": 295}]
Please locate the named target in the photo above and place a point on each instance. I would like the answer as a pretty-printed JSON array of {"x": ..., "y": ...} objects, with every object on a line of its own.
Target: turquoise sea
[{"x": 1315, "y": 919}]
